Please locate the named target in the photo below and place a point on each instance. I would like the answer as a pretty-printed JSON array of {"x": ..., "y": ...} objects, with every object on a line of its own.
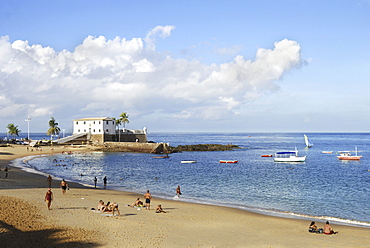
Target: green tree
[
  {"x": 13, "y": 130},
  {"x": 53, "y": 128},
  {"x": 123, "y": 119}
]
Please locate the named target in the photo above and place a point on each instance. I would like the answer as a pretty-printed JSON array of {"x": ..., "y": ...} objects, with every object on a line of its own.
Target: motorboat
[
  {"x": 267, "y": 155},
  {"x": 165, "y": 156},
  {"x": 228, "y": 161},
  {"x": 188, "y": 161},
  {"x": 346, "y": 155},
  {"x": 289, "y": 156}
]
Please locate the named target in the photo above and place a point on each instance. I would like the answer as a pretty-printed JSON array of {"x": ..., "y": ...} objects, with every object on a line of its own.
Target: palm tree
[
  {"x": 53, "y": 128},
  {"x": 13, "y": 130},
  {"x": 123, "y": 119}
]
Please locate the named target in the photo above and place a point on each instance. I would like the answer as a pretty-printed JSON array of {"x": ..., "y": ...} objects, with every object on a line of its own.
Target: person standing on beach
[
  {"x": 49, "y": 179},
  {"x": 64, "y": 186},
  {"x": 147, "y": 197},
  {"x": 49, "y": 198},
  {"x": 178, "y": 191},
  {"x": 6, "y": 172},
  {"x": 95, "y": 180},
  {"x": 105, "y": 182}
]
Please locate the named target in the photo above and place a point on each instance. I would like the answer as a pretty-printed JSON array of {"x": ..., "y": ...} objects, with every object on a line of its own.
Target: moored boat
[
  {"x": 228, "y": 161},
  {"x": 327, "y": 152},
  {"x": 267, "y": 155},
  {"x": 290, "y": 156},
  {"x": 188, "y": 161},
  {"x": 346, "y": 155},
  {"x": 165, "y": 156}
]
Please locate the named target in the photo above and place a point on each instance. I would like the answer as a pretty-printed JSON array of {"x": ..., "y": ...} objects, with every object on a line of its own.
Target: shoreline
[{"x": 184, "y": 225}]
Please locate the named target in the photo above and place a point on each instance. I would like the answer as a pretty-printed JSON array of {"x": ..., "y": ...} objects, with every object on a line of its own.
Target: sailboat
[
  {"x": 307, "y": 141},
  {"x": 346, "y": 155}
]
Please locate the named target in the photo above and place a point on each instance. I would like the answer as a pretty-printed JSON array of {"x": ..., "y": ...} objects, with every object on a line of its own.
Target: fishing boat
[
  {"x": 228, "y": 161},
  {"x": 346, "y": 155},
  {"x": 307, "y": 141},
  {"x": 188, "y": 161},
  {"x": 290, "y": 156}
]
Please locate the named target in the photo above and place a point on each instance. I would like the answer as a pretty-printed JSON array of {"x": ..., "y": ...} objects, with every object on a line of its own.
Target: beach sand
[{"x": 25, "y": 220}]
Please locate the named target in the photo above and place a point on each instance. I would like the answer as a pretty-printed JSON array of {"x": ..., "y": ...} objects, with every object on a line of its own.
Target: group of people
[
  {"x": 104, "y": 180},
  {"x": 148, "y": 197},
  {"x": 6, "y": 172},
  {"x": 49, "y": 194},
  {"x": 109, "y": 207},
  {"x": 326, "y": 230}
]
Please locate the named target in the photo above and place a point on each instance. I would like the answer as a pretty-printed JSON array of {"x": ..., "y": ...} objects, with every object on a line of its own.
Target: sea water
[{"x": 322, "y": 187}]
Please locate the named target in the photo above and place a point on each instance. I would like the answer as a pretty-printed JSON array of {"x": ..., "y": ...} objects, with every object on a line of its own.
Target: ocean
[{"x": 321, "y": 188}]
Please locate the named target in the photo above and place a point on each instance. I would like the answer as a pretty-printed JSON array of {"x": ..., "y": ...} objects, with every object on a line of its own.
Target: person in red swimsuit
[{"x": 49, "y": 198}]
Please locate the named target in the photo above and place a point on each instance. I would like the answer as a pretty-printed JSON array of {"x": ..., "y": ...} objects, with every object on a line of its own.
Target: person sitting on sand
[
  {"x": 101, "y": 206},
  {"x": 314, "y": 229},
  {"x": 138, "y": 203},
  {"x": 328, "y": 229},
  {"x": 159, "y": 209}
]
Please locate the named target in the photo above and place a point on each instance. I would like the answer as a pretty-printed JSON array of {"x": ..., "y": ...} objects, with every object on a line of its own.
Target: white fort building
[{"x": 97, "y": 130}]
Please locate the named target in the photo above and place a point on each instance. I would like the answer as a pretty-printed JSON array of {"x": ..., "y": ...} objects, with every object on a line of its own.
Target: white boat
[
  {"x": 307, "y": 141},
  {"x": 346, "y": 155},
  {"x": 290, "y": 156},
  {"x": 327, "y": 152},
  {"x": 188, "y": 161}
]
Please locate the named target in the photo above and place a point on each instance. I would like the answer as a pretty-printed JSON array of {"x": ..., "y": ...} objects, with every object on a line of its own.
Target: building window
[
  {"x": 76, "y": 122},
  {"x": 107, "y": 122},
  {"x": 93, "y": 130},
  {"x": 84, "y": 122},
  {"x": 78, "y": 131},
  {"x": 84, "y": 130},
  {"x": 93, "y": 122},
  {"x": 99, "y": 130},
  {"x": 99, "y": 122},
  {"x": 107, "y": 130}
]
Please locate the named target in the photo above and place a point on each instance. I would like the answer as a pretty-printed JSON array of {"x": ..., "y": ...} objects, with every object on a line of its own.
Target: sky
[{"x": 187, "y": 66}]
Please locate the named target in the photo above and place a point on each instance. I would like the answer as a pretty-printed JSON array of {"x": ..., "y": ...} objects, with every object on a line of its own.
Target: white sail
[{"x": 307, "y": 141}]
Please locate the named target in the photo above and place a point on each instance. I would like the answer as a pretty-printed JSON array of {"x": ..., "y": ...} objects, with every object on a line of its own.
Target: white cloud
[{"x": 104, "y": 77}]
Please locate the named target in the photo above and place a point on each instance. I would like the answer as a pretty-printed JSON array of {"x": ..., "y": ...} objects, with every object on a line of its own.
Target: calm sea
[{"x": 323, "y": 187}]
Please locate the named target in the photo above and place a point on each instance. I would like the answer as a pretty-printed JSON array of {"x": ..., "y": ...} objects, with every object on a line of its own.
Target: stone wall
[{"x": 132, "y": 147}]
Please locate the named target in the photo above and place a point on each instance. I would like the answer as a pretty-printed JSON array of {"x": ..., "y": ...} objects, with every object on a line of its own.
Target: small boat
[
  {"x": 228, "y": 161},
  {"x": 327, "y": 152},
  {"x": 290, "y": 156},
  {"x": 188, "y": 161},
  {"x": 307, "y": 141},
  {"x": 267, "y": 155},
  {"x": 346, "y": 155},
  {"x": 165, "y": 156}
]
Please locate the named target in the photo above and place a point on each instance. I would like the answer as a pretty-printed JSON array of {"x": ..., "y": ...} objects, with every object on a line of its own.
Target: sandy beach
[{"x": 25, "y": 220}]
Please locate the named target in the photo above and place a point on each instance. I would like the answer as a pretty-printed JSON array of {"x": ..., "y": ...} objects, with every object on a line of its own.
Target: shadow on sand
[{"x": 13, "y": 237}]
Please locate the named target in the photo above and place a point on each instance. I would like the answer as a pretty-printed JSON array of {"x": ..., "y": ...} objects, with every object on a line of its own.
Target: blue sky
[{"x": 232, "y": 66}]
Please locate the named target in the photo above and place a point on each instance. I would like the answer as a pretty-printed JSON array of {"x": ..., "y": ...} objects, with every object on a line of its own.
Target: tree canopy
[
  {"x": 53, "y": 127},
  {"x": 13, "y": 130},
  {"x": 123, "y": 119}
]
